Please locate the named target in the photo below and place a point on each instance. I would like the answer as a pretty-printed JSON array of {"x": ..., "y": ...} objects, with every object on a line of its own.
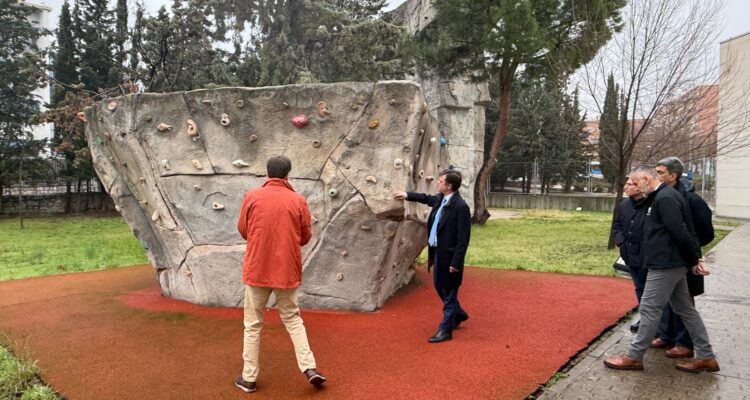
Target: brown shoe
[
  {"x": 659, "y": 343},
  {"x": 623, "y": 362},
  {"x": 245, "y": 386},
  {"x": 314, "y": 377},
  {"x": 695, "y": 366},
  {"x": 679, "y": 352}
]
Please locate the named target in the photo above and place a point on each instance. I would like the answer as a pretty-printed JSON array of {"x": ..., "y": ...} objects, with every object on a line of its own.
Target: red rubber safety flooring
[{"x": 111, "y": 335}]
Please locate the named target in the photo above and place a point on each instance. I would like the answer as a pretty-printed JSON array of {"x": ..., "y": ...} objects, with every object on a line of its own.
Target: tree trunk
[
  {"x": 480, "y": 187},
  {"x": 20, "y": 190},
  {"x": 68, "y": 195},
  {"x": 618, "y": 186}
]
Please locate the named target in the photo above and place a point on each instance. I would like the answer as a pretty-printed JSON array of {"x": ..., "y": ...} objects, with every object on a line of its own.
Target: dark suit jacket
[
  {"x": 628, "y": 230},
  {"x": 454, "y": 230}
]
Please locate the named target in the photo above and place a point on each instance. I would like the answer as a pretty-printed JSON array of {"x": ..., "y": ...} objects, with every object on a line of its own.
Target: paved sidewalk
[{"x": 725, "y": 308}]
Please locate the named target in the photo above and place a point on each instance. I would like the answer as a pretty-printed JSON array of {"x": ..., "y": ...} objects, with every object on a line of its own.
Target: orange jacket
[{"x": 275, "y": 221}]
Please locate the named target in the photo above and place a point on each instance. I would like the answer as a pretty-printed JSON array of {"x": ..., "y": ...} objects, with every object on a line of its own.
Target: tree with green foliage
[
  {"x": 486, "y": 38},
  {"x": 302, "y": 41},
  {"x": 121, "y": 32},
  {"x": 177, "y": 51},
  {"x": 610, "y": 134},
  {"x": 21, "y": 69},
  {"x": 95, "y": 34},
  {"x": 64, "y": 61}
]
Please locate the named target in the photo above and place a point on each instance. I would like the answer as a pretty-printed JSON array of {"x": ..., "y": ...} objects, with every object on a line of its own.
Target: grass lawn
[
  {"x": 572, "y": 242},
  {"x": 66, "y": 244}
]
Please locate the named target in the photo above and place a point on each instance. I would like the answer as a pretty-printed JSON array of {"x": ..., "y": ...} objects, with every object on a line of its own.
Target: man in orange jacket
[{"x": 276, "y": 222}]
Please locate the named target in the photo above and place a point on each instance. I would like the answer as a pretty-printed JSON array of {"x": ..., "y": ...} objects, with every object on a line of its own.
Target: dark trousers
[
  {"x": 672, "y": 329},
  {"x": 452, "y": 311},
  {"x": 638, "y": 274}
]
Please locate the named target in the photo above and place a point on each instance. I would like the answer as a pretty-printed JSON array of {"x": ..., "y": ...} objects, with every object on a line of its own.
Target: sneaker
[
  {"x": 314, "y": 377},
  {"x": 245, "y": 386}
]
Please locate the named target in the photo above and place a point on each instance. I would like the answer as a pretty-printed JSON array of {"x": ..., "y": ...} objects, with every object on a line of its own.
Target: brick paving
[{"x": 725, "y": 308}]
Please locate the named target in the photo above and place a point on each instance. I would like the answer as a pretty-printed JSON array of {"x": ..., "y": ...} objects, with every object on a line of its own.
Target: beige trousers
[{"x": 256, "y": 298}]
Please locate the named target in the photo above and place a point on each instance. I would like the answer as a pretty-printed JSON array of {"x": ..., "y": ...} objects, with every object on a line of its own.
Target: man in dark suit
[{"x": 449, "y": 226}]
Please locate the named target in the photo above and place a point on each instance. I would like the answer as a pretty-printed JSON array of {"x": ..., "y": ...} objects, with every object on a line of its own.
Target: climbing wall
[{"x": 177, "y": 166}]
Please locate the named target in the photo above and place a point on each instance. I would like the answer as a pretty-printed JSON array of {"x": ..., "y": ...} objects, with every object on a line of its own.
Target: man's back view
[{"x": 275, "y": 221}]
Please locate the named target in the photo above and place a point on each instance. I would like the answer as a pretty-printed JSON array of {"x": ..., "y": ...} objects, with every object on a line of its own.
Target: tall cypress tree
[
  {"x": 121, "y": 31},
  {"x": 95, "y": 33},
  {"x": 610, "y": 132},
  {"x": 64, "y": 62}
]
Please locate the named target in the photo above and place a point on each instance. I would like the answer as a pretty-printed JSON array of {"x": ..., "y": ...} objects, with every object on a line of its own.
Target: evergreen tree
[
  {"x": 121, "y": 31},
  {"x": 486, "y": 38},
  {"x": 95, "y": 32},
  {"x": 20, "y": 74},
  {"x": 64, "y": 62},
  {"x": 610, "y": 132}
]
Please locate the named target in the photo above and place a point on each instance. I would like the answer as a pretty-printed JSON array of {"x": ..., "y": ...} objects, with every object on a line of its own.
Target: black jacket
[
  {"x": 454, "y": 231},
  {"x": 628, "y": 229},
  {"x": 703, "y": 231},
  {"x": 667, "y": 231},
  {"x": 704, "y": 228}
]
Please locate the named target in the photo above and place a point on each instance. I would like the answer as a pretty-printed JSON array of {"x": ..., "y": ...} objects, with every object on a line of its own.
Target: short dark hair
[
  {"x": 453, "y": 177},
  {"x": 673, "y": 164},
  {"x": 278, "y": 167}
]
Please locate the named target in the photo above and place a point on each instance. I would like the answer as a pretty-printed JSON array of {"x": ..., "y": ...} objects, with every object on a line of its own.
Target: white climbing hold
[
  {"x": 197, "y": 188},
  {"x": 344, "y": 253},
  {"x": 333, "y": 192},
  {"x": 225, "y": 121},
  {"x": 218, "y": 206},
  {"x": 398, "y": 163},
  {"x": 433, "y": 140},
  {"x": 165, "y": 163},
  {"x": 112, "y": 105},
  {"x": 240, "y": 163},
  {"x": 155, "y": 216},
  {"x": 197, "y": 164},
  {"x": 339, "y": 276},
  {"x": 371, "y": 179},
  {"x": 162, "y": 127},
  {"x": 253, "y": 138},
  {"x": 192, "y": 129}
]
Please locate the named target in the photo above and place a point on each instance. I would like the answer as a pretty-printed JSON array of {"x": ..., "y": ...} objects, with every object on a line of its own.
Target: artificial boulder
[{"x": 177, "y": 166}]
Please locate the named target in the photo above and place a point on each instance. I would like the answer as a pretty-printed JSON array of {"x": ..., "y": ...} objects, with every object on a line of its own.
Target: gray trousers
[{"x": 664, "y": 286}]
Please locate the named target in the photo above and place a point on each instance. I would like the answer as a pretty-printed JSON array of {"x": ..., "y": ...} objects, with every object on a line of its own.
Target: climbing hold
[
  {"x": 333, "y": 192},
  {"x": 433, "y": 140},
  {"x": 142, "y": 179},
  {"x": 365, "y": 227},
  {"x": 421, "y": 173},
  {"x": 253, "y": 138},
  {"x": 344, "y": 253},
  {"x": 118, "y": 208},
  {"x": 398, "y": 163},
  {"x": 371, "y": 179},
  {"x": 155, "y": 216},
  {"x": 189, "y": 273},
  {"x": 300, "y": 121},
  {"x": 239, "y": 103},
  {"x": 165, "y": 163},
  {"x": 225, "y": 121},
  {"x": 111, "y": 106},
  {"x": 197, "y": 164},
  {"x": 314, "y": 220},
  {"x": 218, "y": 206},
  {"x": 285, "y": 104},
  {"x": 82, "y": 116},
  {"x": 392, "y": 102},
  {"x": 421, "y": 131},
  {"x": 322, "y": 108},
  {"x": 429, "y": 178},
  {"x": 143, "y": 202},
  {"x": 354, "y": 106},
  {"x": 424, "y": 108},
  {"x": 147, "y": 118},
  {"x": 207, "y": 102},
  {"x": 197, "y": 188},
  {"x": 162, "y": 127},
  {"x": 316, "y": 143},
  {"x": 192, "y": 130},
  {"x": 339, "y": 276},
  {"x": 108, "y": 135},
  {"x": 240, "y": 163},
  {"x": 373, "y": 124}
]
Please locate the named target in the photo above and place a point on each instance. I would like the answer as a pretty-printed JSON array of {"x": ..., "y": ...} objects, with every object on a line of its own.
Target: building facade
[{"x": 733, "y": 166}]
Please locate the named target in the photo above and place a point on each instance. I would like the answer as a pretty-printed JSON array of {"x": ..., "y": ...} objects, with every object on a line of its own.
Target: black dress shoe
[
  {"x": 440, "y": 336},
  {"x": 635, "y": 325},
  {"x": 461, "y": 318}
]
